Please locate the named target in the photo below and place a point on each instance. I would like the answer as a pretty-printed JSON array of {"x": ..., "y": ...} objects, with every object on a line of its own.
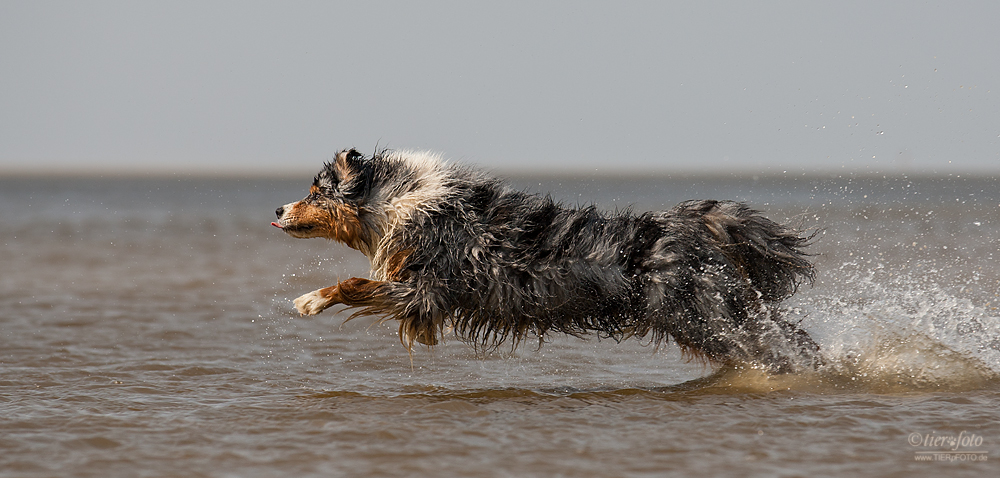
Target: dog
[{"x": 455, "y": 249}]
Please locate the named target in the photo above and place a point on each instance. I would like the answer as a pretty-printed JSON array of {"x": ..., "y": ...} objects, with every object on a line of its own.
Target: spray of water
[{"x": 882, "y": 335}]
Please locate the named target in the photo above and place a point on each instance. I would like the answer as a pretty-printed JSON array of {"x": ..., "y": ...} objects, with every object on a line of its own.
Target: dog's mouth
[{"x": 293, "y": 229}]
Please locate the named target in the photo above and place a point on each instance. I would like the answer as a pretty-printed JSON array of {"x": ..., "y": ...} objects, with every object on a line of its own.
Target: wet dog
[{"x": 454, "y": 249}]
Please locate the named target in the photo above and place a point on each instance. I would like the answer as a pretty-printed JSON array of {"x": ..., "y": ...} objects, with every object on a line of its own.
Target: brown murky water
[{"x": 147, "y": 331}]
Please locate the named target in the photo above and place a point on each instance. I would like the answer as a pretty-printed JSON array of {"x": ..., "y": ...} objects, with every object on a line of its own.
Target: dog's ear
[
  {"x": 351, "y": 169},
  {"x": 348, "y": 165}
]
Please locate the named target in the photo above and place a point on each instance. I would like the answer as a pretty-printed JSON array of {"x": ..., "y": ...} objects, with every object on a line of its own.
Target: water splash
[{"x": 890, "y": 336}]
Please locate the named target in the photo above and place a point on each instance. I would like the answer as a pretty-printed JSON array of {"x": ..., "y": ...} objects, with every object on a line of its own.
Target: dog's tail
[{"x": 770, "y": 255}]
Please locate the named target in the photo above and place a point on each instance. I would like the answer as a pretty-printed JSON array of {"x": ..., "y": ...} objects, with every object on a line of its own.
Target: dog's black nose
[{"x": 279, "y": 212}]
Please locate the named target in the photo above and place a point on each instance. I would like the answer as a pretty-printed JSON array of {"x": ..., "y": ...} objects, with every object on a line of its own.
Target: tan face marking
[{"x": 340, "y": 223}]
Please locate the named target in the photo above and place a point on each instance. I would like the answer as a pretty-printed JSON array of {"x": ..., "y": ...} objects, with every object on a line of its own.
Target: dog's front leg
[
  {"x": 352, "y": 292},
  {"x": 316, "y": 301}
]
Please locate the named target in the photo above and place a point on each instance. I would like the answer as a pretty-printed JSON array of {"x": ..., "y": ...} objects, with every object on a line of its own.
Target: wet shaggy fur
[{"x": 452, "y": 248}]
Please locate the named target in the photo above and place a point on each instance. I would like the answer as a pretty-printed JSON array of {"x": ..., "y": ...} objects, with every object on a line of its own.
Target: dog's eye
[
  {"x": 313, "y": 197},
  {"x": 321, "y": 194}
]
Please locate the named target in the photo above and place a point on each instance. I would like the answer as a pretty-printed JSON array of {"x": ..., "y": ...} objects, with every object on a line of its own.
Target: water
[{"x": 147, "y": 331}]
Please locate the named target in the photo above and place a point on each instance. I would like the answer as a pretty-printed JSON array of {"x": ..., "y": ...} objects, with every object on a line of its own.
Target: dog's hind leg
[
  {"x": 776, "y": 344},
  {"x": 713, "y": 281},
  {"x": 800, "y": 351}
]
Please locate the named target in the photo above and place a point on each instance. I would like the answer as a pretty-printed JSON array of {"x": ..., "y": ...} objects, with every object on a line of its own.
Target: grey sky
[{"x": 583, "y": 87}]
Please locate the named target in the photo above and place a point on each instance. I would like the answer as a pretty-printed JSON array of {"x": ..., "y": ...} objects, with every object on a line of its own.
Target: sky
[{"x": 571, "y": 87}]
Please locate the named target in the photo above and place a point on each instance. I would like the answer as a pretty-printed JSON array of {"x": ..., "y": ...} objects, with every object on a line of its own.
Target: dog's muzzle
[{"x": 279, "y": 212}]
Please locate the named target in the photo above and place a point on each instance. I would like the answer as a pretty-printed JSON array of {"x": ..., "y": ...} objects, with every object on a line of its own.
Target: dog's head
[
  {"x": 333, "y": 208},
  {"x": 357, "y": 200}
]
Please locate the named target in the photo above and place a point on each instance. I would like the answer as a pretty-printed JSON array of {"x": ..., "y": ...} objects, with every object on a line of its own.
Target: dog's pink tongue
[{"x": 276, "y": 225}]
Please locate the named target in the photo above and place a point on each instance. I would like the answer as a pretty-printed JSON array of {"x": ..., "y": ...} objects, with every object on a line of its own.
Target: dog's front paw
[{"x": 312, "y": 303}]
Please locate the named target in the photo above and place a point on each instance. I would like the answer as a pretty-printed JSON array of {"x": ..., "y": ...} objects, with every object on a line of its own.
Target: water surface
[{"x": 147, "y": 330}]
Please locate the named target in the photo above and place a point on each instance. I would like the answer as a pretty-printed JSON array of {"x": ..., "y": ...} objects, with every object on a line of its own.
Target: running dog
[{"x": 454, "y": 249}]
